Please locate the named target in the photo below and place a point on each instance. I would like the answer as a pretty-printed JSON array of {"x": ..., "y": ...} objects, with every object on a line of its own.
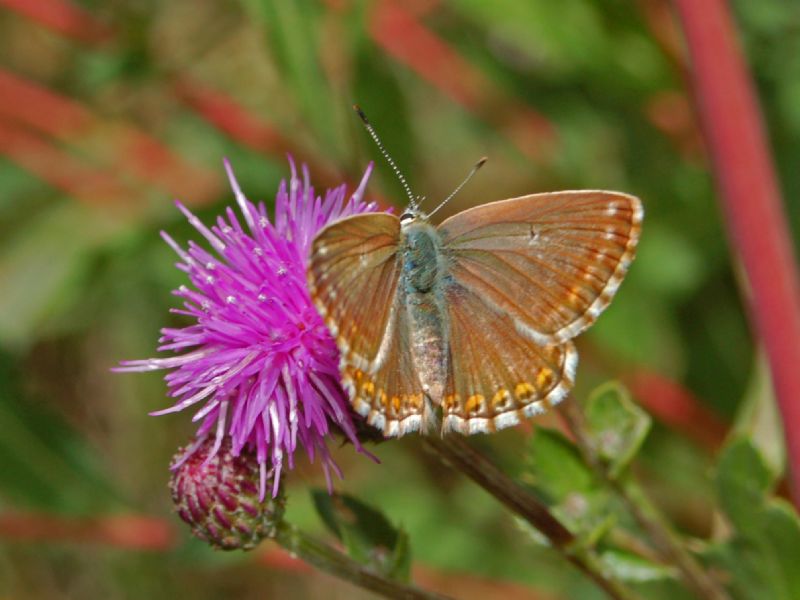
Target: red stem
[
  {"x": 63, "y": 17},
  {"x": 133, "y": 532},
  {"x": 751, "y": 200},
  {"x": 35, "y": 112}
]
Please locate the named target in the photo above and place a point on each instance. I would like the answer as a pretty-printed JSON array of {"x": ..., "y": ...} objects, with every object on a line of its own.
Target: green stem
[
  {"x": 329, "y": 559},
  {"x": 666, "y": 541},
  {"x": 460, "y": 455}
]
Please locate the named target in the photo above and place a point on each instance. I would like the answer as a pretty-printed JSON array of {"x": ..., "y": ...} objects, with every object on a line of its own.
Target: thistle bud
[{"x": 217, "y": 494}]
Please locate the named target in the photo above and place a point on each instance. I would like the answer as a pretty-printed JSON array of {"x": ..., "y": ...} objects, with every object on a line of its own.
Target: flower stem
[
  {"x": 750, "y": 195},
  {"x": 332, "y": 561},
  {"x": 664, "y": 538},
  {"x": 456, "y": 452}
]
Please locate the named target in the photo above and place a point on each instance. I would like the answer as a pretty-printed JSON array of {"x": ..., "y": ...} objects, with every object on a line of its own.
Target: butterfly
[{"x": 468, "y": 326}]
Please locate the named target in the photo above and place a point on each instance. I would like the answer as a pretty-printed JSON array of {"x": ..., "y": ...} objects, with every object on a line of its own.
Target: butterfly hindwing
[
  {"x": 391, "y": 398},
  {"x": 551, "y": 261},
  {"x": 497, "y": 376},
  {"x": 353, "y": 273}
]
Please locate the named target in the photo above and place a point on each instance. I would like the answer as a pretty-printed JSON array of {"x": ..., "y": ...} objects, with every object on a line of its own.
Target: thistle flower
[{"x": 258, "y": 359}]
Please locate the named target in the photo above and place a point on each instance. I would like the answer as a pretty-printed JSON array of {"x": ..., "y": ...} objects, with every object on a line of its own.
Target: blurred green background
[{"x": 110, "y": 110}]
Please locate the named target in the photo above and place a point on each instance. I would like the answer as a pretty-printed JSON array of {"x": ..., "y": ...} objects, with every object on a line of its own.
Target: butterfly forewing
[
  {"x": 552, "y": 262},
  {"x": 353, "y": 274},
  {"x": 497, "y": 377}
]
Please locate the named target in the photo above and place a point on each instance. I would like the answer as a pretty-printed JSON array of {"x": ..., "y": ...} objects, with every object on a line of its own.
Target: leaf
[
  {"x": 617, "y": 425},
  {"x": 758, "y": 418},
  {"x": 366, "y": 533},
  {"x": 742, "y": 482},
  {"x": 568, "y": 486},
  {"x": 762, "y": 552},
  {"x": 557, "y": 467}
]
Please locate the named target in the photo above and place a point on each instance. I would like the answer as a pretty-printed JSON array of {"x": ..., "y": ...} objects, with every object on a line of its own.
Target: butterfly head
[{"x": 411, "y": 215}]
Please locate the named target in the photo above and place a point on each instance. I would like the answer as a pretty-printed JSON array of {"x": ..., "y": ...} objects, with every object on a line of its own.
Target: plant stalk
[
  {"x": 750, "y": 196},
  {"x": 665, "y": 540},
  {"x": 456, "y": 452}
]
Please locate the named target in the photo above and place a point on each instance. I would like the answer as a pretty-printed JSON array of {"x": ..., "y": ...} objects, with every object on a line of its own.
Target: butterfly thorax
[{"x": 423, "y": 275}]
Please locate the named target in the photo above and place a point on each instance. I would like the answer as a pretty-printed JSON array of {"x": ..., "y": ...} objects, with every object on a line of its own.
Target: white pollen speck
[
  {"x": 183, "y": 289},
  {"x": 262, "y": 298},
  {"x": 211, "y": 266},
  {"x": 258, "y": 251},
  {"x": 210, "y": 279},
  {"x": 227, "y": 229},
  {"x": 230, "y": 299},
  {"x": 281, "y": 271},
  {"x": 263, "y": 222}
]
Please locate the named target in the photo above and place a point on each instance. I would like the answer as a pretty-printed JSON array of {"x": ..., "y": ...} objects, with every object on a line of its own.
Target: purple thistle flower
[{"x": 258, "y": 358}]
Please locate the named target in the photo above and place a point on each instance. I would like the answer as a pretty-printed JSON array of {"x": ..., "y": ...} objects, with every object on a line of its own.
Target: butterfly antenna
[
  {"x": 373, "y": 134},
  {"x": 472, "y": 172}
]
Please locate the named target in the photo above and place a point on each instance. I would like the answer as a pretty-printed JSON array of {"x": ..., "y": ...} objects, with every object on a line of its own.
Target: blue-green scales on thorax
[{"x": 423, "y": 279}]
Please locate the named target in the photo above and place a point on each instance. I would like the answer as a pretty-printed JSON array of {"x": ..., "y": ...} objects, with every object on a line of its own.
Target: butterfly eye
[{"x": 406, "y": 216}]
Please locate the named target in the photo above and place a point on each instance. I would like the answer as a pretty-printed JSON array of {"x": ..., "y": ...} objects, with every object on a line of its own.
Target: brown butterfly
[{"x": 468, "y": 326}]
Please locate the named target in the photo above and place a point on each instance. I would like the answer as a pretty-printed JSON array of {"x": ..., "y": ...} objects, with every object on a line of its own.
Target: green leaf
[
  {"x": 557, "y": 467},
  {"x": 366, "y": 533},
  {"x": 758, "y": 418},
  {"x": 742, "y": 482},
  {"x": 617, "y": 425},
  {"x": 635, "y": 569},
  {"x": 559, "y": 475},
  {"x": 762, "y": 551}
]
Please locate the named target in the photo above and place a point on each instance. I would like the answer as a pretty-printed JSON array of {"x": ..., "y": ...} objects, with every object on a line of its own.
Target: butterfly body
[
  {"x": 423, "y": 276},
  {"x": 468, "y": 326}
]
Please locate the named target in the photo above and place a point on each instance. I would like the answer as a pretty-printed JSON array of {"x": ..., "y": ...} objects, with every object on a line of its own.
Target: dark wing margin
[{"x": 551, "y": 261}]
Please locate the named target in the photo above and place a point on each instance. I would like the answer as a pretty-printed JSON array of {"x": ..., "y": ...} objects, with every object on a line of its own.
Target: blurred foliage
[
  {"x": 366, "y": 534},
  {"x": 582, "y": 93},
  {"x": 761, "y": 551}
]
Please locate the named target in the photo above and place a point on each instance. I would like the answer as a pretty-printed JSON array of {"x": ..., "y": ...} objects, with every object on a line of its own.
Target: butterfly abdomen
[{"x": 422, "y": 275}]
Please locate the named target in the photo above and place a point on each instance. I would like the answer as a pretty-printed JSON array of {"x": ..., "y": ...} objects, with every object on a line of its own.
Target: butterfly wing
[
  {"x": 353, "y": 272},
  {"x": 497, "y": 376},
  {"x": 552, "y": 262},
  {"x": 353, "y": 276},
  {"x": 391, "y": 399}
]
